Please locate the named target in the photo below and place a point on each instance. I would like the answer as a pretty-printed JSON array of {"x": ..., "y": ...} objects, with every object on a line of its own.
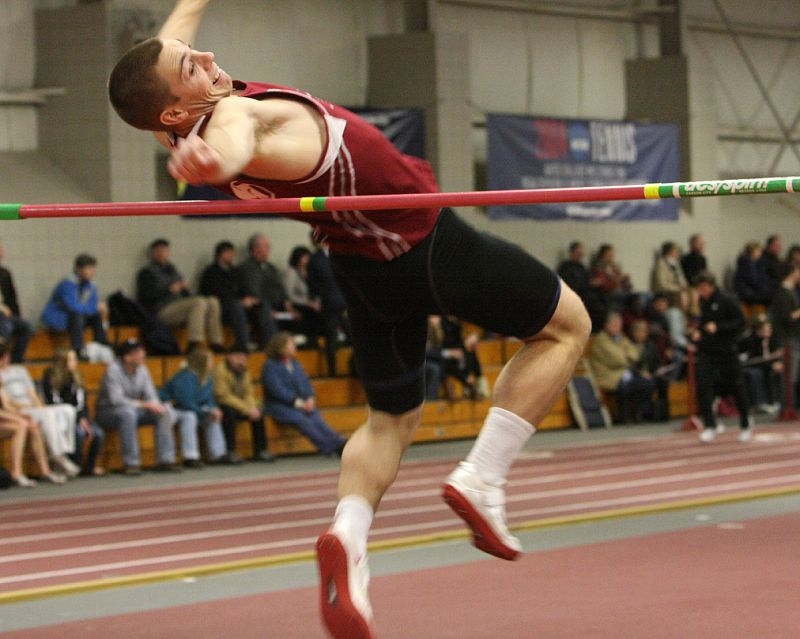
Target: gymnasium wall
[{"x": 517, "y": 61}]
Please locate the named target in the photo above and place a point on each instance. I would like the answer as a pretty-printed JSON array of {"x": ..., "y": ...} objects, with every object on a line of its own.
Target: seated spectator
[
  {"x": 127, "y": 400},
  {"x": 617, "y": 366},
  {"x": 24, "y": 429},
  {"x": 750, "y": 279},
  {"x": 14, "y": 330},
  {"x": 163, "y": 291},
  {"x": 289, "y": 397},
  {"x": 771, "y": 260},
  {"x": 694, "y": 261},
  {"x": 785, "y": 314},
  {"x": 659, "y": 368},
  {"x": 75, "y": 304},
  {"x": 762, "y": 365},
  {"x": 460, "y": 358},
  {"x": 434, "y": 364},
  {"x": 667, "y": 277},
  {"x": 669, "y": 330},
  {"x": 295, "y": 281},
  {"x": 793, "y": 255},
  {"x": 191, "y": 393},
  {"x": 263, "y": 281},
  {"x": 63, "y": 383},
  {"x": 220, "y": 279},
  {"x": 234, "y": 394},
  {"x": 611, "y": 280},
  {"x": 322, "y": 285},
  {"x": 578, "y": 278},
  {"x": 57, "y": 422}
]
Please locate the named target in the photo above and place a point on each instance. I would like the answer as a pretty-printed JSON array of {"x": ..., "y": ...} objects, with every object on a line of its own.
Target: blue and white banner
[{"x": 538, "y": 153}]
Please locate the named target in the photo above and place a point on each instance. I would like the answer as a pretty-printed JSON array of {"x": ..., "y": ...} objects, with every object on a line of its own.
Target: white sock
[
  {"x": 500, "y": 441},
  {"x": 353, "y": 517}
]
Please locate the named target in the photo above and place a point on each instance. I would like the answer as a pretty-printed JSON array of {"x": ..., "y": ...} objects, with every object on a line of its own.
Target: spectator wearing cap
[
  {"x": 75, "y": 304},
  {"x": 220, "y": 280},
  {"x": 164, "y": 292},
  {"x": 128, "y": 399},
  {"x": 233, "y": 392}
]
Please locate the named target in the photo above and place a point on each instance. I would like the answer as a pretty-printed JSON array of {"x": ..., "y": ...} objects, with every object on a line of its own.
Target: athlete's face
[{"x": 194, "y": 77}]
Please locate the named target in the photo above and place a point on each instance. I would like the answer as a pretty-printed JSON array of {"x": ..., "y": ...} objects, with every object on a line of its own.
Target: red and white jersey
[{"x": 358, "y": 160}]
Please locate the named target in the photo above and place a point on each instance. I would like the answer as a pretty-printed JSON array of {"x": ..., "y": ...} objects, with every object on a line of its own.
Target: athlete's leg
[
  {"x": 526, "y": 389},
  {"x": 535, "y": 377},
  {"x": 372, "y": 455}
]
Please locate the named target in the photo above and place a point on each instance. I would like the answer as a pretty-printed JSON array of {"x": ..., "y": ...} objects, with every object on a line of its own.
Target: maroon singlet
[{"x": 358, "y": 160}]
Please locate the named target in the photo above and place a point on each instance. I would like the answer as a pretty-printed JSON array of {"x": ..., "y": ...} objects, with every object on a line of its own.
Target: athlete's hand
[{"x": 194, "y": 161}]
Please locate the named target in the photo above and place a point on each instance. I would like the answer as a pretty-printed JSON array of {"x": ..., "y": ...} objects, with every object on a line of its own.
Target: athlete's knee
[
  {"x": 570, "y": 322},
  {"x": 402, "y": 425}
]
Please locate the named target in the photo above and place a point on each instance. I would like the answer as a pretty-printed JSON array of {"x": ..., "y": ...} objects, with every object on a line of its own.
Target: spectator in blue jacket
[
  {"x": 75, "y": 305},
  {"x": 289, "y": 398},
  {"x": 191, "y": 393}
]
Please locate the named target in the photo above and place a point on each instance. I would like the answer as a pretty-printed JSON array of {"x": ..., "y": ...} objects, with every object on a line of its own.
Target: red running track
[
  {"x": 733, "y": 580},
  {"x": 75, "y": 543}
]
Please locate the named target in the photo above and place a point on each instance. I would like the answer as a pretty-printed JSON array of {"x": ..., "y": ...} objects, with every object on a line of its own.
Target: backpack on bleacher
[
  {"x": 157, "y": 336},
  {"x": 585, "y": 401}
]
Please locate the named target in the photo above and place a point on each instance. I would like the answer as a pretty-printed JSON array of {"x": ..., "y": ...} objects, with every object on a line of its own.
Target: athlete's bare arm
[
  {"x": 184, "y": 20},
  {"x": 274, "y": 138}
]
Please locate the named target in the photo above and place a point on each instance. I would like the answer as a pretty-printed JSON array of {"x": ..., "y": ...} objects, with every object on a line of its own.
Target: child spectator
[
  {"x": 63, "y": 383},
  {"x": 654, "y": 365},
  {"x": 18, "y": 394},
  {"x": 191, "y": 393}
]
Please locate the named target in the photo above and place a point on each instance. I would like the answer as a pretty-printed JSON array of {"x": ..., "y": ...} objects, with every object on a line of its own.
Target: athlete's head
[{"x": 165, "y": 85}]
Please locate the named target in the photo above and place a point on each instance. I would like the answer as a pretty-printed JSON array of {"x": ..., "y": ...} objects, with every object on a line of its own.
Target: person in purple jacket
[
  {"x": 75, "y": 304},
  {"x": 289, "y": 398}
]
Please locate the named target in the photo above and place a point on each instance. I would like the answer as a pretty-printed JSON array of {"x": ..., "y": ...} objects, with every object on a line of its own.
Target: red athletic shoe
[
  {"x": 483, "y": 507},
  {"x": 344, "y": 579}
]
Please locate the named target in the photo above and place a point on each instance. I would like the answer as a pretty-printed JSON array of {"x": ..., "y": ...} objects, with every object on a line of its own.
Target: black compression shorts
[{"x": 456, "y": 270}]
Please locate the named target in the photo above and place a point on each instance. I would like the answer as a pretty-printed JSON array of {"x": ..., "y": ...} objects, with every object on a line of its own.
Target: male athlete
[{"x": 395, "y": 268}]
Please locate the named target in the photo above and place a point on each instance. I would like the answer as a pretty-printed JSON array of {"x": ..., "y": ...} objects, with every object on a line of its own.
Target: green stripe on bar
[
  {"x": 10, "y": 211},
  {"x": 319, "y": 203}
]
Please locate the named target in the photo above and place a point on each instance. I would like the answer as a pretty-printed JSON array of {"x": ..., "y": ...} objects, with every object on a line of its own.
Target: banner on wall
[
  {"x": 405, "y": 128},
  {"x": 538, "y": 153}
]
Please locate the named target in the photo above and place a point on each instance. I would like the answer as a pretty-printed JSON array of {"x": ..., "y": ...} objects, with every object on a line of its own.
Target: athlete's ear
[{"x": 173, "y": 116}]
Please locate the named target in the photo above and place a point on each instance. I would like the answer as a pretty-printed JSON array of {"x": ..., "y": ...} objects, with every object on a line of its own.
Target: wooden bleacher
[{"x": 340, "y": 399}]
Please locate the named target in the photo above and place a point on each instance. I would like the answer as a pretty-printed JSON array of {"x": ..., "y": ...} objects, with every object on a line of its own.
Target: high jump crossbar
[{"x": 652, "y": 191}]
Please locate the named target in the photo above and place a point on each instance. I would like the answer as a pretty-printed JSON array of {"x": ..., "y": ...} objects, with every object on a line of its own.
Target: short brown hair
[
  {"x": 137, "y": 93},
  {"x": 275, "y": 346},
  {"x": 704, "y": 277}
]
